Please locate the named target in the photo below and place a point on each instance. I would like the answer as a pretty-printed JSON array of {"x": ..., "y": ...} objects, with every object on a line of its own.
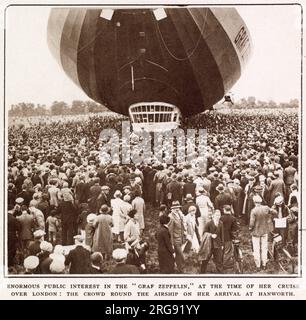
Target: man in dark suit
[
  {"x": 215, "y": 227},
  {"x": 178, "y": 231},
  {"x": 165, "y": 248},
  {"x": 34, "y": 246},
  {"x": 13, "y": 229},
  {"x": 174, "y": 190},
  {"x": 103, "y": 198},
  {"x": 189, "y": 188},
  {"x": 230, "y": 228},
  {"x": 69, "y": 216},
  {"x": 289, "y": 174},
  {"x": 25, "y": 195},
  {"x": 94, "y": 193},
  {"x": 223, "y": 198},
  {"x": 120, "y": 255},
  {"x": 81, "y": 195},
  {"x": 78, "y": 258}
]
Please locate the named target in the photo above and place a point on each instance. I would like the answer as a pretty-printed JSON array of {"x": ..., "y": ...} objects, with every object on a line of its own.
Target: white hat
[
  {"x": 278, "y": 200},
  {"x": 39, "y": 233},
  {"x": 237, "y": 181},
  {"x": 91, "y": 217},
  {"x": 19, "y": 200},
  {"x": 262, "y": 177},
  {"x": 46, "y": 246},
  {"x": 119, "y": 254},
  {"x": 79, "y": 238},
  {"x": 57, "y": 266},
  {"x": 31, "y": 262},
  {"x": 257, "y": 199}
]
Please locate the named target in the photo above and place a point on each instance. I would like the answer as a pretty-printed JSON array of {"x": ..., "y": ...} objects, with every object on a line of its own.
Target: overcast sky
[{"x": 32, "y": 74}]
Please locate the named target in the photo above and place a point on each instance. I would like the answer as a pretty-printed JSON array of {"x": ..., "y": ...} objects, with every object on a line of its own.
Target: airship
[{"x": 155, "y": 65}]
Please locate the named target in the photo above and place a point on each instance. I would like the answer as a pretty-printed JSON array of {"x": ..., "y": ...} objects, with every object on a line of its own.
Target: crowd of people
[{"x": 68, "y": 212}]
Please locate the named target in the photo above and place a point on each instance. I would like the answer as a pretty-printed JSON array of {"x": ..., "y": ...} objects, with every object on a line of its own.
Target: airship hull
[{"x": 190, "y": 58}]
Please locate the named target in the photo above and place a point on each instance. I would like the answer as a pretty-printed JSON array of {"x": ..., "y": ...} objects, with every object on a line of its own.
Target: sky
[{"x": 273, "y": 73}]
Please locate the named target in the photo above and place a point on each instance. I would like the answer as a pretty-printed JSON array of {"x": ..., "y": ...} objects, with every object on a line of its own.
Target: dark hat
[
  {"x": 162, "y": 207},
  {"x": 295, "y": 211},
  {"x": 96, "y": 258},
  {"x": 227, "y": 209},
  {"x": 132, "y": 213},
  {"x": 175, "y": 204},
  {"x": 164, "y": 219},
  {"x": 104, "y": 209},
  {"x": 220, "y": 187}
]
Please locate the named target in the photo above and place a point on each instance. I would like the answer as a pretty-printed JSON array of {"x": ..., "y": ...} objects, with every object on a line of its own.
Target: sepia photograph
[{"x": 160, "y": 141}]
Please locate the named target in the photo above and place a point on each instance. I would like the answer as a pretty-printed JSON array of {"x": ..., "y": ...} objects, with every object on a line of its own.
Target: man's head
[
  {"x": 220, "y": 188},
  {"x": 192, "y": 210},
  {"x": 189, "y": 198},
  {"x": 78, "y": 240},
  {"x": 96, "y": 259},
  {"x": 227, "y": 209},
  {"x": 216, "y": 215},
  {"x": 257, "y": 200},
  {"x": 132, "y": 213},
  {"x": 176, "y": 207},
  {"x": 164, "y": 219},
  {"x": 105, "y": 189},
  {"x": 279, "y": 200}
]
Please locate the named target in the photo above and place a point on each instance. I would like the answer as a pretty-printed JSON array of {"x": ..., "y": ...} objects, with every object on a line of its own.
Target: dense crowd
[{"x": 68, "y": 212}]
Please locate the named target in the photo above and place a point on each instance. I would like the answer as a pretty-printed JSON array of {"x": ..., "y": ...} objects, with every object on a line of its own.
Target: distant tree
[
  {"x": 94, "y": 107},
  {"x": 78, "y": 107},
  {"x": 251, "y": 103},
  {"x": 59, "y": 108},
  {"x": 41, "y": 110},
  {"x": 261, "y": 104},
  {"x": 272, "y": 104},
  {"x": 294, "y": 103}
]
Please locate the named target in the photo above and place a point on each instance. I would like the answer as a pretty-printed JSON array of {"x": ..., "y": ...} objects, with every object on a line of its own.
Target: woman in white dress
[
  {"x": 119, "y": 208},
  {"x": 139, "y": 205},
  {"x": 206, "y": 208},
  {"x": 54, "y": 193},
  {"x": 131, "y": 231},
  {"x": 193, "y": 242}
]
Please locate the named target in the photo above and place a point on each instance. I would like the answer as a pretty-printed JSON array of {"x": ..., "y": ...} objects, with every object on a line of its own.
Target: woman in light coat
[
  {"x": 103, "y": 238},
  {"x": 139, "y": 205},
  {"x": 119, "y": 208},
  {"x": 131, "y": 230}
]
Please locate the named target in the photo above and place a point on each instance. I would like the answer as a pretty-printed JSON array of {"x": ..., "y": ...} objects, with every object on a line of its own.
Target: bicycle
[
  {"x": 280, "y": 255},
  {"x": 238, "y": 256}
]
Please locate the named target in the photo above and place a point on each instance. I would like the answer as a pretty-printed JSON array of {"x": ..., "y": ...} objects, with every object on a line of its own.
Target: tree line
[
  {"x": 83, "y": 107},
  {"x": 253, "y": 103},
  {"x": 24, "y": 109}
]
